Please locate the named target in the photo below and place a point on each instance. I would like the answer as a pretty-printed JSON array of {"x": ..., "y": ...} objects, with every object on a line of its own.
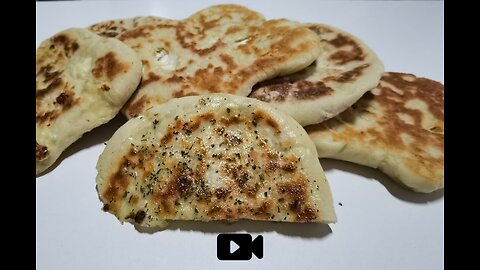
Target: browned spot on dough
[
  {"x": 227, "y": 121},
  {"x": 64, "y": 99},
  {"x": 236, "y": 173},
  {"x": 272, "y": 166},
  {"x": 264, "y": 209},
  {"x": 146, "y": 64},
  {"x": 318, "y": 29},
  {"x": 297, "y": 190},
  {"x": 221, "y": 193},
  {"x": 350, "y": 75},
  {"x": 46, "y": 116},
  {"x": 182, "y": 69},
  {"x": 175, "y": 79},
  {"x": 340, "y": 41},
  {"x": 178, "y": 126},
  {"x": 43, "y": 92},
  {"x": 166, "y": 196},
  {"x": 233, "y": 139},
  {"x": 307, "y": 214},
  {"x": 183, "y": 37},
  {"x": 137, "y": 107},
  {"x": 233, "y": 30},
  {"x": 140, "y": 31},
  {"x": 69, "y": 46},
  {"x": 48, "y": 74},
  {"x": 167, "y": 138},
  {"x": 41, "y": 152},
  {"x": 429, "y": 91},
  {"x": 139, "y": 216},
  {"x": 185, "y": 185},
  {"x": 181, "y": 93},
  {"x": 152, "y": 77},
  {"x": 117, "y": 185},
  {"x": 108, "y": 66},
  {"x": 289, "y": 167},
  {"x": 301, "y": 90},
  {"x": 228, "y": 60},
  {"x": 214, "y": 210},
  {"x": 341, "y": 57},
  {"x": 63, "y": 102},
  {"x": 260, "y": 115}
]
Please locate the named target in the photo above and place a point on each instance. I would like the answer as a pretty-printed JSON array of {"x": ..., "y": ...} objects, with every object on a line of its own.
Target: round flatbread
[
  {"x": 345, "y": 70},
  {"x": 397, "y": 128},
  {"x": 213, "y": 157},
  {"x": 82, "y": 81},
  {"x": 224, "y": 48}
]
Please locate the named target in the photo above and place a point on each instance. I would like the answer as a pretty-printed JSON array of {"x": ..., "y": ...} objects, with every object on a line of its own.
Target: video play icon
[{"x": 239, "y": 246}]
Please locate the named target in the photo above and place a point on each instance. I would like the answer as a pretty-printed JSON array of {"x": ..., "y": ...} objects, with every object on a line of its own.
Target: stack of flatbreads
[{"x": 229, "y": 113}]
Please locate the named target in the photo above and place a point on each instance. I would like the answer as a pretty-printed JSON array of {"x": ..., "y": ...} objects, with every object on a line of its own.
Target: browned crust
[
  {"x": 212, "y": 79},
  {"x": 63, "y": 102},
  {"x": 69, "y": 46},
  {"x": 41, "y": 152},
  {"x": 348, "y": 49},
  {"x": 297, "y": 86},
  {"x": 138, "y": 106},
  {"x": 251, "y": 190},
  {"x": 113, "y": 28},
  {"x": 301, "y": 90},
  {"x": 391, "y": 103},
  {"x": 108, "y": 66},
  {"x": 54, "y": 95}
]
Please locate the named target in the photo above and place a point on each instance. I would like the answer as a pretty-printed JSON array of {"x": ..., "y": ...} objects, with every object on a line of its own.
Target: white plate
[{"x": 380, "y": 225}]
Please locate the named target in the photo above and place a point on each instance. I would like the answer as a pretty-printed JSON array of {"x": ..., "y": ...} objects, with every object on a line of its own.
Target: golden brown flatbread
[
  {"x": 221, "y": 49},
  {"x": 213, "y": 157},
  {"x": 82, "y": 82},
  {"x": 397, "y": 128},
  {"x": 344, "y": 71}
]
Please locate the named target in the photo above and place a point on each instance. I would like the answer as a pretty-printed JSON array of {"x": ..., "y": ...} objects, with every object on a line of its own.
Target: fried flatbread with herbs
[{"x": 213, "y": 157}]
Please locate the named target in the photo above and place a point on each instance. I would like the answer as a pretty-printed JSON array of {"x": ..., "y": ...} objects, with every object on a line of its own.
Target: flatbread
[
  {"x": 224, "y": 48},
  {"x": 346, "y": 69},
  {"x": 82, "y": 81},
  {"x": 113, "y": 28},
  {"x": 397, "y": 128},
  {"x": 213, "y": 157}
]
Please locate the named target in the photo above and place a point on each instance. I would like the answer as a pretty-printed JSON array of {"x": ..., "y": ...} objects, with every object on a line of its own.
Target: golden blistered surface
[
  {"x": 403, "y": 115},
  {"x": 222, "y": 49}
]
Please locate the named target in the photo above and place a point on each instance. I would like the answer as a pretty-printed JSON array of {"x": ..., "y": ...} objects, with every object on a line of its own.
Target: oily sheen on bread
[
  {"x": 345, "y": 70},
  {"x": 213, "y": 157},
  {"x": 223, "y": 48},
  {"x": 397, "y": 128},
  {"x": 82, "y": 81},
  {"x": 113, "y": 28}
]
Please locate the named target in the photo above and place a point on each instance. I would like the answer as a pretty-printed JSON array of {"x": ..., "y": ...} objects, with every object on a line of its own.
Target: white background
[{"x": 380, "y": 225}]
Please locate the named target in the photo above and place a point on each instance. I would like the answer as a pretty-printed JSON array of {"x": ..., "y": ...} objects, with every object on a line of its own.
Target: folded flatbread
[
  {"x": 397, "y": 128},
  {"x": 344, "y": 71},
  {"x": 82, "y": 81},
  {"x": 213, "y": 157}
]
